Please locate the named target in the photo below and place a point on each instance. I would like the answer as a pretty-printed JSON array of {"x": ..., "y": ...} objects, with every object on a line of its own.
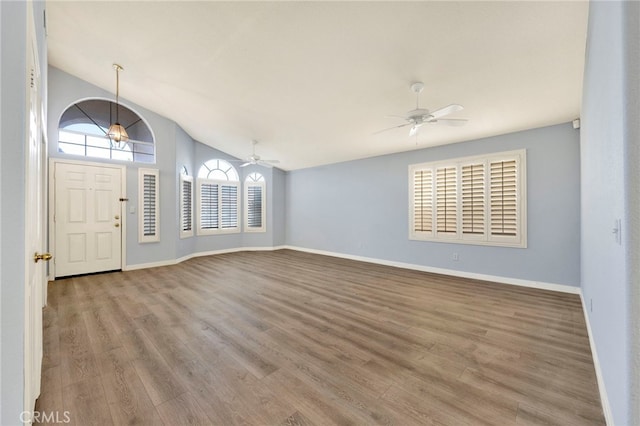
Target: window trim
[
  {"x": 186, "y": 233},
  {"x": 486, "y": 239},
  {"x": 220, "y": 184},
  {"x": 142, "y": 238}
]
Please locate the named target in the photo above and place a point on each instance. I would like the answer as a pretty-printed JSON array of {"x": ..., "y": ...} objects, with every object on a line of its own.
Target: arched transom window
[
  {"x": 254, "y": 177},
  {"x": 218, "y": 170},
  {"x": 82, "y": 131}
]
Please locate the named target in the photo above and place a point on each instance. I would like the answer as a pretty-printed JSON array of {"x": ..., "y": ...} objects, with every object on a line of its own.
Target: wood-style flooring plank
[{"x": 293, "y": 338}]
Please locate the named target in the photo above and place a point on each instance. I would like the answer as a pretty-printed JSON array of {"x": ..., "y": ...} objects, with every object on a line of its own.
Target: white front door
[
  {"x": 88, "y": 231},
  {"x": 35, "y": 279}
]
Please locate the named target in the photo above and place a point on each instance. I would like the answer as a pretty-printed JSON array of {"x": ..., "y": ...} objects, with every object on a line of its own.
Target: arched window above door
[{"x": 82, "y": 131}]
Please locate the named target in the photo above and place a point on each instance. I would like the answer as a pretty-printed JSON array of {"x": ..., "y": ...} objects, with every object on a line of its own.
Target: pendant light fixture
[{"x": 117, "y": 132}]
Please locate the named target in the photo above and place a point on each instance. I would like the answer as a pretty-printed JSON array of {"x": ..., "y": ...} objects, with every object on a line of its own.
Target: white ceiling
[{"x": 313, "y": 81}]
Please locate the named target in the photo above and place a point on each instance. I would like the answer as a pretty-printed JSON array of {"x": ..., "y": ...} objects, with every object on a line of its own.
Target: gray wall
[
  {"x": 361, "y": 208},
  {"x": 609, "y": 159},
  {"x": 13, "y": 83}
]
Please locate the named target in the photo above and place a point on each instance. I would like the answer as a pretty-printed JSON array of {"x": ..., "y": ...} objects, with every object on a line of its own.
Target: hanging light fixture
[{"x": 117, "y": 133}]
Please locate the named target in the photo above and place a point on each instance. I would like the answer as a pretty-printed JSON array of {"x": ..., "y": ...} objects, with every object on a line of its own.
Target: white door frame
[
  {"x": 52, "y": 206},
  {"x": 35, "y": 221}
]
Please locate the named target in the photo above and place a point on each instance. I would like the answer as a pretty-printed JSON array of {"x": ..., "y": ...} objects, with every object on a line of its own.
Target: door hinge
[{"x": 124, "y": 199}]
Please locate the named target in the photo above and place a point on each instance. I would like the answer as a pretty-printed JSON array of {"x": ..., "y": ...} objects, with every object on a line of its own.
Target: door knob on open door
[{"x": 43, "y": 256}]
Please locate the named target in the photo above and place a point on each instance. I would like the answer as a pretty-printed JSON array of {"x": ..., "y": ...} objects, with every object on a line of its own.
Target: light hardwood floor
[{"x": 290, "y": 338}]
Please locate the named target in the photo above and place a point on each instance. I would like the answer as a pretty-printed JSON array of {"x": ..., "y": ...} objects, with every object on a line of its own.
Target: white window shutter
[
  {"x": 218, "y": 206},
  {"x": 229, "y": 206},
  {"x": 186, "y": 206},
  {"x": 473, "y": 200},
  {"x": 423, "y": 201},
  {"x": 504, "y": 198},
  {"x": 254, "y": 207},
  {"x": 208, "y": 212},
  {"x": 149, "y": 205},
  {"x": 446, "y": 201}
]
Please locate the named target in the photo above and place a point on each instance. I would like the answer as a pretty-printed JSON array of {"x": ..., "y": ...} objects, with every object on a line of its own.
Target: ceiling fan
[
  {"x": 420, "y": 116},
  {"x": 255, "y": 159}
]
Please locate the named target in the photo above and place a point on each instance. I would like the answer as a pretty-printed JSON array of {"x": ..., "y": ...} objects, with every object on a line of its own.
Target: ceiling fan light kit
[
  {"x": 417, "y": 117},
  {"x": 255, "y": 159}
]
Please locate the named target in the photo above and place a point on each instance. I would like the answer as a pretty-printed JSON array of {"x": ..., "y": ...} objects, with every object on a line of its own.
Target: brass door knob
[
  {"x": 43, "y": 256},
  {"x": 117, "y": 225}
]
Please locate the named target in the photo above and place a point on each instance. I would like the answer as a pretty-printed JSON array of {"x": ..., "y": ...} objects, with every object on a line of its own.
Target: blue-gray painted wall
[
  {"x": 174, "y": 148},
  {"x": 361, "y": 208},
  {"x": 609, "y": 156},
  {"x": 607, "y": 140}
]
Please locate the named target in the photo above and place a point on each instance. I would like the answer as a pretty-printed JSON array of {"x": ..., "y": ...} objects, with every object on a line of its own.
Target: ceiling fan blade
[
  {"x": 245, "y": 164},
  {"x": 451, "y": 121},
  {"x": 271, "y": 161},
  {"x": 391, "y": 128},
  {"x": 450, "y": 109}
]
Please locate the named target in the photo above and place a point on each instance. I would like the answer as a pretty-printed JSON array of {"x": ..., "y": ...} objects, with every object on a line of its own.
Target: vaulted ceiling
[{"x": 315, "y": 81}]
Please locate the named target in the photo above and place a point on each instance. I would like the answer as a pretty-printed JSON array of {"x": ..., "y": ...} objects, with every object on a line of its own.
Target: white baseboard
[
  {"x": 198, "y": 254},
  {"x": 563, "y": 288},
  {"x": 604, "y": 399}
]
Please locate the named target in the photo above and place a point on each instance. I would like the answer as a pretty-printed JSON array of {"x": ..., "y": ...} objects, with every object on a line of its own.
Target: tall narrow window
[
  {"x": 149, "y": 205},
  {"x": 186, "y": 206},
  {"x": 254, "y": 203},
  {"x": 472, "y": 200},
  {"x": 218, "y": 202}
]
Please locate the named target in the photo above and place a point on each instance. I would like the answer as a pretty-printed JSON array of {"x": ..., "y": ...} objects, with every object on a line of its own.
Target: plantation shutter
[
  {"x": 504, "y": 198},
  {"x": 148, "y": 181},
  {"x": 423, "y": 201},
  {"x": 217, "y": 206},
  {"x": 229, "y": 217},
  {"x": 209, "y": 217},
  {"x": 446, "y": 201},
  {"x": 186, "y": 206},
  {"x": 254, "y": 207},
  {"x": 473, "y": 199}
]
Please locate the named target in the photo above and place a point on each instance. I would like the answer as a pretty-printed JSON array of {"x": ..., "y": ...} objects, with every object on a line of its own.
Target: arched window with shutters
[
  {"x": 82, "y": 131},
  {"x": 218, "y": 201},
  {"x": 254, "y": 203}
]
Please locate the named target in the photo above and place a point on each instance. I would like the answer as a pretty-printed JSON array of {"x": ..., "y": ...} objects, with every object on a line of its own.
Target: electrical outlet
[{"x": 455, "y": 257}]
